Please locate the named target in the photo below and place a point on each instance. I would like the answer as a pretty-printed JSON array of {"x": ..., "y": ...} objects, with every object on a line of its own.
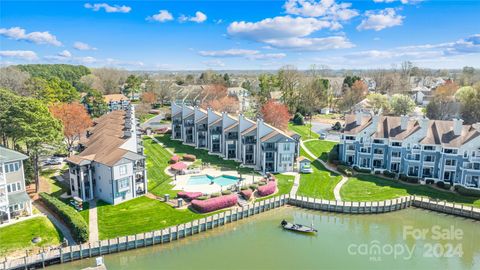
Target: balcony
[
  {"x": 232, "y": 136},
  {"x": 250, "y": 141},
  {"x": 269, "y": 147},
  {"x": 415, "y": 158},
  {"x": 471, "y": 166},
  {"x": 2, "y": 178}
]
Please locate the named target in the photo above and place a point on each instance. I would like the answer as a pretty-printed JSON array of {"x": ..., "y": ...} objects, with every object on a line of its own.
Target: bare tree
[
  {"x": 110, "y": 79},
  {"x": 14, "y": 79}
]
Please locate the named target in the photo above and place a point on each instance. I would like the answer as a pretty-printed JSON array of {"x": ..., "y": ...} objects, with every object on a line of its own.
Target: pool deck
[{"x": 182, "y": 181}]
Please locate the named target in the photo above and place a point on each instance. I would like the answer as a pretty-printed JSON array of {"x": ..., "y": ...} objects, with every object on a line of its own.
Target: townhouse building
[
  {"x": 117, "y": 102},
  {"x": 14, "y": 200},
  {"x": 111, "y": 165},
  {"x": 435, "y": 150},
  {"x": 254, "y": 144}
]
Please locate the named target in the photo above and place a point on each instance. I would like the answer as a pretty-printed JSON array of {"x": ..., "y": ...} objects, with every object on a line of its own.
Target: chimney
[
  {"x": 457, "y": 126},
  {"x": 358, "y": 118},
  {"x": 403, "y": 122},
  {"x": 423, "y": 122}
]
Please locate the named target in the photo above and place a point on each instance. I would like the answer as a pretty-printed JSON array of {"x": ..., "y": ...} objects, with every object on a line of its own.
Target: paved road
[
  {"x": 318, "y": 127},
  {"x": 154, "y": 122}
]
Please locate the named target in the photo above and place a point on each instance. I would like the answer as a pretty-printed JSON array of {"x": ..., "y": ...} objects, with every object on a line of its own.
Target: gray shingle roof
[{"x": 7, "y": 155}]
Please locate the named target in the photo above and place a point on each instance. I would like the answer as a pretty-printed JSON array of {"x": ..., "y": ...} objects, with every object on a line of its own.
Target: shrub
[
  {"x": 447, "y": 186},
  {"x": 345, "y": 170},
  {"x": 429, "y": 181},
  {"x": 226, "y": 192},
  {"x": 440, "y": 184},
  {"x": 262, "y": 183},
  {"x": 244, "y": 188},
  {"x": 174, "y": 159},
  {"x": 214, "y": 204},
  {"x": 409, "y": 179},
  {"x": 216, "y": 194},
  {"x": 75, "y": 222},
  {"x": 337, "y": 126},
  {"x": 188, "y": 157},
  {"x": 253, "y": 186},
  {"x": 389, "y": 174},
  {"x": 267, "y": 189},
  {"x": 189, "y": 195},
  {"x": 247, "y": 194},
  {"x": 333, "y": 155},
  {"x": 202, "y": 198},
  {"x": 298, "y": 119},
  {"x": 358, "y": 169},
  {"x": 467, "y": 191},
  {"x": 378, "y": 172}
]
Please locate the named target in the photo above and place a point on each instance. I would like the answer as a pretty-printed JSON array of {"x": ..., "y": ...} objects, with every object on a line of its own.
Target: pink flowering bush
[
  {"x": 189, "y": 195},
  {"x": 247, "y": 194},
  {"x": 267, "y": 189},
  {"x": 214, "y": 203}
]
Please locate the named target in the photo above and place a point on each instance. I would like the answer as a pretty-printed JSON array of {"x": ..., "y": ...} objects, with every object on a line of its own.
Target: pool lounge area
[{"x": 211, "y": 180}]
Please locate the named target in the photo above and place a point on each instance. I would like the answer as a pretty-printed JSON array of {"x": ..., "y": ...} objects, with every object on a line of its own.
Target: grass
[
  {"x": 328, "y": 116},
  {"x": 139, "y": 215},
  {"x": 320, "y": 183},
  {"x": 144, "y": 117},
  {"x": 85, "y": 212},
  {"x": 305, "y": 131},
  {"x": 320, "y": 148},
  {"x": 373, "y": 188},
  {"x": 284, "y": 185},
  {"x": 19, "y": 235},
  {"x": 180, "y": 149}
]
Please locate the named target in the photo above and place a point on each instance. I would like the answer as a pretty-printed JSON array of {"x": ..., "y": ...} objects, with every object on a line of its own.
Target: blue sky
[{"x": 186, "y": 35}]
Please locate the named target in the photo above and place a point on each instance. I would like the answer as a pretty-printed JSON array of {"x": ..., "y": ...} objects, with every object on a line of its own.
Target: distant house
[
  {"x": 304, "y": 165},
  {"x": 242, "y": 95},
  {"x": 14, "y": 200},
  {"x": 116, "y": 102},
  {"x": 325, "y": 111}
]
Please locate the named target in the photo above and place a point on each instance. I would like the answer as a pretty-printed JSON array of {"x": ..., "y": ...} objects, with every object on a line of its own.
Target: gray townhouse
[
  {"x": 435, "y": 150},
  {"x": 111, "y": 164},
  {"x": 14, "y": 200},
  {"x": 254, "y": 144}
]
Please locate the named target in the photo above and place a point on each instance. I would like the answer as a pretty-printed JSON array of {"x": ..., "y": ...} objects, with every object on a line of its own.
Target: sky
[{"x": 241, "y": 35}]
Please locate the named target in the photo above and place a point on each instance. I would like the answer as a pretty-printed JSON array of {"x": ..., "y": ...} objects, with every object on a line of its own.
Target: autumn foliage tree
[
  {"x": 149, "y": 98},
  {"x": 75, "y": 120},
  {"x": 276, "y": 114},
  {"x": 224, "y": 104}
]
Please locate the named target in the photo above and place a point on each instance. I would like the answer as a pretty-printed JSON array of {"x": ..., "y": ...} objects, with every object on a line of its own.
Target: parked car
[
  {"x": 54, "y": 161},
  {"x": 323, "y": 136}
]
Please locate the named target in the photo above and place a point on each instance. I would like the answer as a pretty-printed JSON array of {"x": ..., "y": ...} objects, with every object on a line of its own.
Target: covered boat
[{"x": 297, "y": 227}]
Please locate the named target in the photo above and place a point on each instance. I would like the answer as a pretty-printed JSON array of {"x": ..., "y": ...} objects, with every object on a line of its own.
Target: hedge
[
  {"x": 358, "y": 169},
  {"x": 226, "y": 192},
  {"x": 214, "y": 204},
  {"x": 247, "y": 194},
  {"x": 267, "y": 189},
  {"x": 408, "y": 179},
  {"x": 345, "y": 170},
  {"x": 389, "y": 174},
  {"x": 467, "y": 191},
  {"x": 253, "y": 186},
  {"x": 216, "y": 194},
  {"x": 189, "y": 195},
  {"x": 188, "y": 157},
  {"x": 75, "y": 222}
]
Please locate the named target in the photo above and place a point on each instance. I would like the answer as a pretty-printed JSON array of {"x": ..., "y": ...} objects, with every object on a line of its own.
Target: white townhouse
[
  {"x": 253, "y": 144},
  {"x": 435, "y": 150},
  {"x": 111, "y": 166},
  {"x": 14, "y": 200}
]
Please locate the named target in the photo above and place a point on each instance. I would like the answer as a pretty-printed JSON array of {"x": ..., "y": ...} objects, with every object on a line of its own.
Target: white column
[
  {"x": 82, "y": 183},
  {"x": 30, "y": 207},
  {"x": 90, "y": 180},
  {"x": 8, "y": 213}
]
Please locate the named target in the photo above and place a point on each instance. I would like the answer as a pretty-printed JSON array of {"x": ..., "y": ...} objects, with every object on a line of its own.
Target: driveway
[
  {"x": 318, "y": 127},
  {"x": 154, "y": 122}
]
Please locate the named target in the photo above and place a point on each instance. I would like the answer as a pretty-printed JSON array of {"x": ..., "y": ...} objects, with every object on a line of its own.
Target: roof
[
  {"x": 103, "y": 145},
  {"x": 351, "y": 126},
  {"x": 231, "y": 126},
  {"x": 216, "y": 122},
  {"x": 389, "y": 127},
  {"x": 441, "y": 133},
  {"x": 303, "y": 159},
  {"x": 7, "y": 155},
  {"x": 114, "y": 98},
  {"x": 250, "y": 129}
]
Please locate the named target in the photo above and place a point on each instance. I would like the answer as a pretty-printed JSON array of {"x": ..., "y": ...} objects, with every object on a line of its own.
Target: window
[
  {"x": 377, "y": 141},
  {"x": 396, "y": 154},
  {"x": 450, "y": 151},
  {"x": 12, "y": 167},
  {"x": 350, "y": 138},
  {"x": 286, "y": 147},
  {"x": 429, "y": 148},
  {"x": 450, "y": 162},
  {"x": 429, "y": 158},
  {"x": 396, "y": 144},
  {"x": 123, "y": 170},
  {"x": 123, "y": 184},
  {"x": 14, "y": 187}
]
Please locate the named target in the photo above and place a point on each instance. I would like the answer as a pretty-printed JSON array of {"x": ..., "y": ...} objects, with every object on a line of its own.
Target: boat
[{"x": 297, "y": 227}]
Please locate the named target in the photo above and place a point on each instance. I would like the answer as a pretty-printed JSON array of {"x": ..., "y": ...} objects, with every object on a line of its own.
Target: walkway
[
  {"x": 92, "y": 221},
  {"x": 159, "y": 142},
  {"x": 336, "y": 190},
  {"x": 63, "y": 228},
  {"x": 296, "y": 184}
]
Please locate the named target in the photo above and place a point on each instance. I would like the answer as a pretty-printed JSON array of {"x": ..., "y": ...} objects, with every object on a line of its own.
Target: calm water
[
  {"x": 223, "y": 180},
  {"x": 342, "y": 242}
]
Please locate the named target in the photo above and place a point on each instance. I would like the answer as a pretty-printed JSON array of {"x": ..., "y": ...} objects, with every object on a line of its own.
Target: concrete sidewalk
[{"x": 92, "y": 221}]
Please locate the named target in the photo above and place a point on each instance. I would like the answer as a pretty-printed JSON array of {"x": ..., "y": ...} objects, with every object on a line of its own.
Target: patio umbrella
[{"x": 179, "y": 166}]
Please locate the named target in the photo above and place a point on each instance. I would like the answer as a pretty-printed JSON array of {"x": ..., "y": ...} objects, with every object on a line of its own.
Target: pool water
[{"x": 223, "y": 180}]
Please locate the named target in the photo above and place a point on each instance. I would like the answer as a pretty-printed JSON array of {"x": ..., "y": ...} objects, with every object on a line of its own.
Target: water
[
  {"x": 223, "y": 180},
  {"x": 342, "y": 242}
]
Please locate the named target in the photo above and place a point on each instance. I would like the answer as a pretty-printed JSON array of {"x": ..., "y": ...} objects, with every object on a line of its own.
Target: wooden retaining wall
[
  {"x": 87, "y": 250},
  {"x": 447, "y": 208}
]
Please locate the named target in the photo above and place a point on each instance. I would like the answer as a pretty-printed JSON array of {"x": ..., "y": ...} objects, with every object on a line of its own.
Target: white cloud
[
  {"x": 380, "y": 20},
  {"x": 401, "y": 1},
  {"x": 81, "y": 46},
  {"x": 162, "y": 16},
  {"x": 65, "y": 54},
  {"x": 24, "y": 55},
  {"x": 214, "y": 63},
  {"x": 18, "y": 33},
  {"x": 228, "y": 53},
  {"x": 312, "y": 44},
  {"x": 198, "y": 18},
  {"x": 108, "y": 8},
  {"x": 266, "y": 56},
  {"x": 320, "y": 8}
]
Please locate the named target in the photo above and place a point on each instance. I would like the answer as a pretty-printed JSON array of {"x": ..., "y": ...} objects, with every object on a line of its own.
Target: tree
[
  {"x": 132, "y": 85},
  {"x": 470, "y": 107},
  {"x": 52, "y": 90},
  {"x": 95, "y": 103},
  {"x": 69, "y": 73},
  {"x": 110, "y": 79},
  {"x": 268, "y": 83},
  {"x": 298, "y": 119},
  {"x": 14, "y": 79},
  {"x": 465, "y": 93},
  {"x": 354, "y": 95},
  {"x": 350, "y": 80},
  {"x": 223, "y": 104},
  {"x": 378, "y": 102},
  {"x": 401, "y": 104},
  {"x": 288, "y": 83},
  {"x": 442, "y": 106},
  {"x": 276, "y": 114},
  {"x": 35, "y": 126},
  {"x": 75, "y": 120},
  {"x": 149, "y": 98},
  {"x": 226, "y": 78},
  {"x": 7, "y": 99},
  {"x": 467, "y": 74},
  {"x": 314, "y": 95}
]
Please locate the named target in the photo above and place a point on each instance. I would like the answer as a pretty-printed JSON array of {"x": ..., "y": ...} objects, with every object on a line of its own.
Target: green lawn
[
  {"x": 320, "y": 148},
  {"x": 145, "y": 117},
  {"x": 202, "y": 155},
  {"x": 304, "y": 131},
  {"x": 284, "y": 184},
  {"x": 373, "y": 188},
  {"x": 139, "y": 215},
  {"x": 18, "y": 236},
  {"x": 85, "y": 213},
  {"x": 320, "y": 183}
]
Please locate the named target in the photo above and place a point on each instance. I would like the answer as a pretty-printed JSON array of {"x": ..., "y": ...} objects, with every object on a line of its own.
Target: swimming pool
[{"x": 223, "y": 180}]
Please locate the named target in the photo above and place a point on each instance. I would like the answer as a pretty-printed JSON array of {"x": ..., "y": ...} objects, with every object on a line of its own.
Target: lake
[{"x": 407, "y": 239}]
